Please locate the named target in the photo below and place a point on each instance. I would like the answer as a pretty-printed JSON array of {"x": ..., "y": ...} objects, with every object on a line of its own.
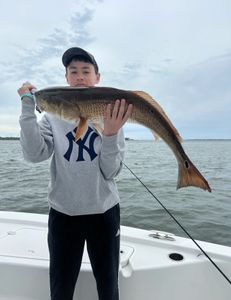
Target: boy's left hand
[{"x": 115, "y": 118}]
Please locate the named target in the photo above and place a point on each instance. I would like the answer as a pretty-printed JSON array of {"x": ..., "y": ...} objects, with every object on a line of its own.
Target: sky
[{"x": 179, "y": 51}]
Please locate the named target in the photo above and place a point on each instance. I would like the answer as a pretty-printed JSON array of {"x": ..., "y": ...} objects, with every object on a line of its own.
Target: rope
[{"x": 172, "y": 216}]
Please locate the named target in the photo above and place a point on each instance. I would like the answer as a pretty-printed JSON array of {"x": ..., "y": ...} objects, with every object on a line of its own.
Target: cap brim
[{"x": 75, "y": 51}]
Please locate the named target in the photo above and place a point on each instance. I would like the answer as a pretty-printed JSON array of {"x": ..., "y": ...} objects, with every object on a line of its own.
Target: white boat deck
[{"x": 146, "y": 269}]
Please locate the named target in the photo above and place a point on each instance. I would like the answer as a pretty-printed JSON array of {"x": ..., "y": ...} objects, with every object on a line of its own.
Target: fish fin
[
  {"x": 98, "y": 127},
  {"x": 156, "y": 136},
  {"x": 154, "y": 103},
  {"x": 189, "y": 175},
  {"x": 81, "y": 128}
]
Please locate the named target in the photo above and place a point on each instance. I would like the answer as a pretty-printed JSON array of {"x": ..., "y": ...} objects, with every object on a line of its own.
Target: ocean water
[{"x": 206, "y": 216}]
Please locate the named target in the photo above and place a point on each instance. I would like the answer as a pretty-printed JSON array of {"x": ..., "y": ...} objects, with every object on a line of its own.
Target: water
[{"x": 205, "y": 216}]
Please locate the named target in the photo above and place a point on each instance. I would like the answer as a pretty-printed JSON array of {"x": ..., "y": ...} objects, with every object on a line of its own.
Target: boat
[{"x": 153, "y": 264}]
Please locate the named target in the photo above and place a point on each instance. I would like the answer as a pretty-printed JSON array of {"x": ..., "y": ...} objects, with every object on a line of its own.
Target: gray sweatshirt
[{"x": 82, "y": 172}]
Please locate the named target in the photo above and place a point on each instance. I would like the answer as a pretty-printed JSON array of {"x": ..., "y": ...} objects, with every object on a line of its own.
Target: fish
[{"x": 89, "y": 103}]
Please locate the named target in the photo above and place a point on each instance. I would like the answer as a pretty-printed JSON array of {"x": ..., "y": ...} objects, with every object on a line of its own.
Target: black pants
[{"x": 66, "y": 238}]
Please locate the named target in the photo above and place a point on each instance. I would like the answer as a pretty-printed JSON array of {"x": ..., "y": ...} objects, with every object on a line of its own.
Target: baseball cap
[{"x": 76, "y": 51}]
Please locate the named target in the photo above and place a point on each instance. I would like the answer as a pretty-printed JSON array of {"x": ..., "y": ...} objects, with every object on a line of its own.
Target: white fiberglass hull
[{"x": 146, "y": 270}]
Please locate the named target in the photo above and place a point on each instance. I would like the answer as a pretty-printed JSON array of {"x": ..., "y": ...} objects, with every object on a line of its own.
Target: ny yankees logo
[{"x": 82, "y": 145}]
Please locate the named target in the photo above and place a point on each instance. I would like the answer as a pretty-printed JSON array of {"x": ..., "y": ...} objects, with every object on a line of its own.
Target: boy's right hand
[{"x": 26, "y": 88}]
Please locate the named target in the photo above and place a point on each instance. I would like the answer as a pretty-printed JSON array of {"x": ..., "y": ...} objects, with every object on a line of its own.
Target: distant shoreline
[
  {"x": 127, "y": 139},
  {"x": 9, "y": 138}
]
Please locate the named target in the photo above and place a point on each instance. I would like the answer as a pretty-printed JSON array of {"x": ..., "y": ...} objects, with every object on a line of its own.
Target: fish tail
[{"x": 189, "y": 175}]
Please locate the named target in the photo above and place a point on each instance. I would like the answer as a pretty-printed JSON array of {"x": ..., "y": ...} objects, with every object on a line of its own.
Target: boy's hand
[
  {"x": 26, "y": 88},
  {"x": 116, "y": 118}
]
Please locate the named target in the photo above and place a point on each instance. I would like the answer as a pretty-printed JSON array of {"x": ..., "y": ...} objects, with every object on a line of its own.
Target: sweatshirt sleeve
[
  {"x": 36, "y": 138},
  {"x": 112, "y": 154}
]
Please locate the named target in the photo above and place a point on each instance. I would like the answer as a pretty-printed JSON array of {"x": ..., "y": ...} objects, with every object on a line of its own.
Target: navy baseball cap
[{"x": 76, "y": 51}]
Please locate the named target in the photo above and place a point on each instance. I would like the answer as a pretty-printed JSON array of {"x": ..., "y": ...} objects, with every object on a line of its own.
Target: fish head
[{"x": 55, "y": 101}]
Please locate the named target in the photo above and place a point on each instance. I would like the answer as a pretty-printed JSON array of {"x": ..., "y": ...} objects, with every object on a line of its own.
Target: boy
[{"x": 83, "y": 198}]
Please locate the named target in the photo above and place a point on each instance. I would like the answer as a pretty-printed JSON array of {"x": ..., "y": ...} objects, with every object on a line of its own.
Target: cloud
[
  {"x": 185, "y": 68},
  {"x": 199, "y": 97},
  {"x": 204, "y": 85},
  {"x": 43, "y": 62}
]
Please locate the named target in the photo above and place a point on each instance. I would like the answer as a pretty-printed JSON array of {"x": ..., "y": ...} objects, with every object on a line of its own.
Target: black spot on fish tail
[{"x": 186, "y": 164}]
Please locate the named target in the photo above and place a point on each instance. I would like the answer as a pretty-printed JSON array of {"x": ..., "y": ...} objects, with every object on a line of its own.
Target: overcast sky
[{"x": 179, "y": 51}]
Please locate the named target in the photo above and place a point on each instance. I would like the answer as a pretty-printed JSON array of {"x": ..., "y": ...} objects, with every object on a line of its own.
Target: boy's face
[{"x": 81, "y": 74}]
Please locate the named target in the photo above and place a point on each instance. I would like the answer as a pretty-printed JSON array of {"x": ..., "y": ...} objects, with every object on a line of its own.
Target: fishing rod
[{"x": 181, "y": 226}]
